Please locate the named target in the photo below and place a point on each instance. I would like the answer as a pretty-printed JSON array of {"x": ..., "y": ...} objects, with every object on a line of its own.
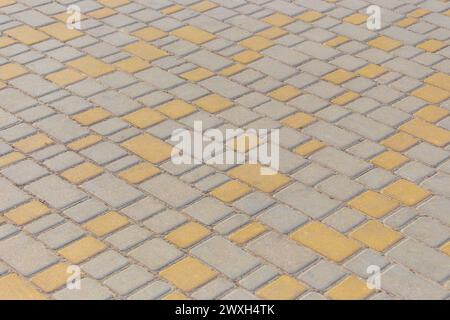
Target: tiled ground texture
[{"x": 85, "y": 171}]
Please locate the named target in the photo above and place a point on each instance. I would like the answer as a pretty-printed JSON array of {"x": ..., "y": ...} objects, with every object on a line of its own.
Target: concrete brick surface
[{"x": 86, "y": 170}]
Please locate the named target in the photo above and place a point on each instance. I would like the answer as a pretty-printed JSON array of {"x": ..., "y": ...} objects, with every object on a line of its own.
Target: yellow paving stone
[
  {"x": 251, "y": 174},
  {"x": 214, "y": 103},
  {"x": 247, "y": 233},
  {"x": 107, "y": 223},
  {"x": 339, "y": 76},
  {"x": 102, "y": 13},
  {"x": 172, "y": 9},
  {"x": 406, "y": 22},
  {"x": 26, "y": 35},
  {"x": 256, "y": 43},
  {"x": 440, "y": 80},
  {"x": 427, "y": 131},
  {"x": 188, "y": 274},
  {"x": 144, "y": 118},
  {"x": 431, "y": 94},
  {"x": 145, "y": 51},
  {"x": 2, "y": 220},
  {"x": 176, "y": 109},
  {"x": 175, "y": 296},
  {"x": 385, "y": 43},
  {"x": 92, "y": 116},
  {"x": 193, "y": 34},
  {"x": 14, "y": 288},
  {"x": 272, "y": 33},
  {"x": 285, "y": 93},
  {"x": 446, "y": 248},
  {"x": 390, "y": 160},
  {"x": 197, "y": 74},
  {"x": 149, "y": 148},
  {"x": 376, "y": 235},
  {"x": 351, "y": 288},
  {"x": 2, "y": 85},
  {"x": 52, "y": 278},
  {"x": 310, "y": 16},
  {"x": 356, "y": 18},
  {"x": 282, "y": 288},
  {"x": 83, "y": 249},
  {"x": 233, "y": 69},
  {"x": 431, "y": 45},
  {"x": 60, "y": 31},
  {"x": 298, "y": 120},
  {"x": 149, "y": 34},
  {"x": 6, "y": 41},
  {"x": 326, "y": 241},
  {"x": 204, "y": 6},
  {"x": 400, "y": 141},
  {"x": 91, "y": 66},
  {"x": 337, "y": 41},
  {"x": 10, "y": 158},
  {"x": 5, "y": 3},
  {"x": 188, "y": 234},
  {"x": 371, "y": 71},
  {"x": 418, "y": 13},
  {"x": 432, "y": 113},
  {"x": 309, "y": 147},
  {"x": 33, "y": 143},
  {"x": 373, "y": 204},
  {"x": 11, "y": 70},
  {"x": 114, "y": 3},
  {"x": 278, "y": 19},
  {"x": 65, "y": 77},
  {"x": 82, "y": 172},
  {"x": 406, "y": 192},
  {"x": 231, "y": 191},
  {"x": 132, "y": 65},
  {"x": 345, "y": 98},
  {"x": 84, "y": 142},
  {"x": 27, "y": 212},
  {"x": 139, "y": 172},
  {"x": 247, "y": 56}
]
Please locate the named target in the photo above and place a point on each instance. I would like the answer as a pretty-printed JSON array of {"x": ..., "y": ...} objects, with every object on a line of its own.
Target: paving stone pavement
[{"x": 86, "y": 177}]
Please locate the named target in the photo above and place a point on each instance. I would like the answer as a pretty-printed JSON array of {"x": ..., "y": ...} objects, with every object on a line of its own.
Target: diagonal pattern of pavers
[{"x": 86, "y": 177}]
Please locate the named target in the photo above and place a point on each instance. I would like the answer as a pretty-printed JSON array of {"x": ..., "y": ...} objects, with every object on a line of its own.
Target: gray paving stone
[
  {"x": 340, "y": 187},
  {"x": 344, "y": 219},
  {"x": 225, "y": 257},
  {"x": 340, "y": 161},
  {"x": 112, "y": 190},
  {"x": 429, "y": 231},
  {"x": 171, "y": 190},
  {"x": 423, "y": 259},
  {"x": 129, "y": 237},
  {"x": 213, "y": 289},
  {"x": 439, "y": 183},
  {"x": 360, "y": 263},
  {"x": 61, "y": 235},
  {"x": 104, "y": 264},
  {"x": 436, "y": 207},
  {"x": 62, "y": 128},
  {"x": 85, "y": 210},
  {"x": 366, "y": 127},
  {"x": 24, "y": 172},
  {"x": 282, "y": 252},
  {"x": 55, "y": 191},
  {"x": 26, "y": 255},
  {"x": 259, "y": 277},
  {"x": 254, "y": 202},
  {"x": 90, "y": 290},
  {"x": 155, "y": 254},
  {"x": 282, "y": 218},
  {"x": 402, "y": 282},
  {"x": 143, "y": 208},
  {"x": 152, "y": 291},
  {"x": 307, "y": 200},
  {"x": 322, "y": 275}
]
